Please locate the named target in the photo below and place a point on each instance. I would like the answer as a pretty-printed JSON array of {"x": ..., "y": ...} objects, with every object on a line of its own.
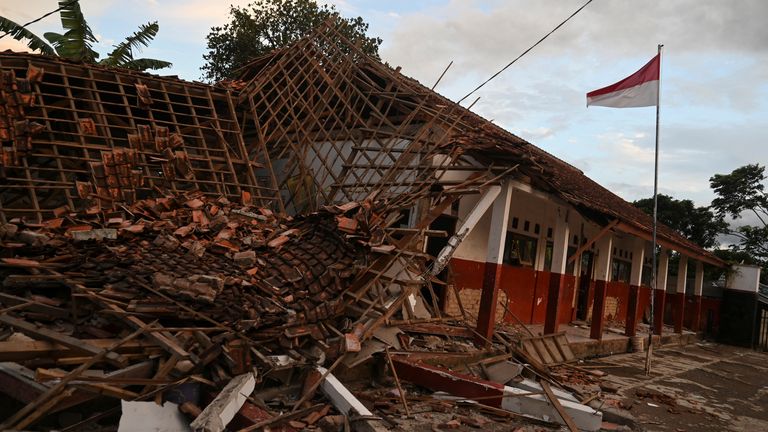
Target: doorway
[
  {"x": 585, "y": 278},
  {"x": 445, "y": 223}
]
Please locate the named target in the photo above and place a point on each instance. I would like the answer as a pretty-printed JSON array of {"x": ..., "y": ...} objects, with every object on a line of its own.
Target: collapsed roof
[{"x": 312, "y": 124}]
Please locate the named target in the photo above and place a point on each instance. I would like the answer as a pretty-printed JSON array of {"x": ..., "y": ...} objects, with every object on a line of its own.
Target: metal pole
[{"x": 655, "y": 217}]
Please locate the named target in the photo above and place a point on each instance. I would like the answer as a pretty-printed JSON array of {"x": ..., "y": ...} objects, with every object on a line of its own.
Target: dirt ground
[{"x": 698, "y": 387}]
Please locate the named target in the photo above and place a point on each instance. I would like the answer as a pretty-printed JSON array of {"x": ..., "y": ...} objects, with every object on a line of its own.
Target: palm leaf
[
  {"x": 123, "y": 52},
  {"x": 53, "y": 37},
  {"x": 143, "y": 64},
  {"x": 77, "y": 42},
  {"x": 18, "y": 32}
]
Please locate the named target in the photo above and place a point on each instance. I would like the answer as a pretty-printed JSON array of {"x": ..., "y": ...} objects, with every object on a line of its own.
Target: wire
[
  {"x": 525, "y": 52},
  {"x": 64, "y": 6}
]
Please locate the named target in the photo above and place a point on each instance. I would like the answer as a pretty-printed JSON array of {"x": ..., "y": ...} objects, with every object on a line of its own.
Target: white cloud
[{"x": 536, "y": 134}]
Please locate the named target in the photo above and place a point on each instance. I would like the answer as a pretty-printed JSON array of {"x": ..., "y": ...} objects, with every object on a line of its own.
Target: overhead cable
[
  {"x": 525, "y": 52},
  {"x": 63, "y": 6}
]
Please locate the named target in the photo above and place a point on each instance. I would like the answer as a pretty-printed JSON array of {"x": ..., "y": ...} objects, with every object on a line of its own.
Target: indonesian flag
[{"x": 640, "y": 89}]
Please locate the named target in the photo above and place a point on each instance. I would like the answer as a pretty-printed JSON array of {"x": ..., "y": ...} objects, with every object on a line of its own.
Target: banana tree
[{"x": 76, "y": 43}]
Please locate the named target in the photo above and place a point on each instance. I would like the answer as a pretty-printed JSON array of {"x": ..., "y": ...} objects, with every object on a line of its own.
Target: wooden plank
[
  {"x": 36, "y": 281},
  {"x": 43, "y": 403},
  {"x": 556, "y": 403},
  {"x": 564, "y": 346},
  {"x": 17, "y": 351},
  {"x": 164, "y": 339},
  {"x": 551, "y": 345},
  {"x": 62, "y": 339},
  {"x": 542, "y": 350},
  {"x": 531, "y": 350},
  {"x": 437, "y": 329},
  {"x": 138, "y": 370},
  {"x": 52, "y": 311}
]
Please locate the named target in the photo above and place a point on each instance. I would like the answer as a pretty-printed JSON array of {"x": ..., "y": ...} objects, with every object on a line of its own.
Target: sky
[{"x": 714, "y": 109}]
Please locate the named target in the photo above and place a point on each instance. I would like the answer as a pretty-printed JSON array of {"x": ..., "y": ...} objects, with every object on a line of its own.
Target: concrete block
[
  {"x": 222, "y": 410},
  {"x": 341, "y": 397},
  {"x": 149, "y": 416},
  {"x": 586, "y": 418},
  {"x": 534, "y": 387}
]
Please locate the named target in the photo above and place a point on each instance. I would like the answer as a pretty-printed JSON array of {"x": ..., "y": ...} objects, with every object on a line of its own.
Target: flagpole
[{"x": 655, "y": 219}]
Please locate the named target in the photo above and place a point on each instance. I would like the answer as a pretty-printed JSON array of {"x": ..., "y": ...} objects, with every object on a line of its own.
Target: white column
[
  {"x": 602, "y": 274},
  {"x": 638, "y": 258},
  {"x": 603, "y": 261},
  {"x": 497, "y": 235},
  {"x": 698, "y": 283},
  {"x": 663, "y": 269},
  {"x": 560, "y": 237},
  {"x": 682, "y": 274}
]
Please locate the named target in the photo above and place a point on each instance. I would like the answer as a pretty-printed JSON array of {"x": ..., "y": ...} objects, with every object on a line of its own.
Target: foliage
[
  {"x": 740, "y": 193},
  {"x": 698, "y": 224},
  {"x": 76, "y": 43},
  {"x": 122, "y": 55},
  {"x": 34, "y": 42},
  {"x": 265, "y": 25}
]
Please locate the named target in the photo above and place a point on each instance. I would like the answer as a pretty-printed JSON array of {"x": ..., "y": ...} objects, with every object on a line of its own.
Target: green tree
[
  {"x": 265, "y": 25},
  {"x": 698, "y": 224},
  {"x": 76, "y": 43},
  {"x": 740, "y": 193}
]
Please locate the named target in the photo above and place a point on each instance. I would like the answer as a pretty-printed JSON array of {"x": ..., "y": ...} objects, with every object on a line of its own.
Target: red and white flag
[{"x": 637, "y": 90}]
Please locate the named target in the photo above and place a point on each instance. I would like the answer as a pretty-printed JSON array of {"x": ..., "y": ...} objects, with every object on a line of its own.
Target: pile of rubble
[{"x": 204, "y": 313}]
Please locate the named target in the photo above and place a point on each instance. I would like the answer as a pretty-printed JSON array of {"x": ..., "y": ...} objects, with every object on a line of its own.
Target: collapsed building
[{"x": 322, "y": 209}]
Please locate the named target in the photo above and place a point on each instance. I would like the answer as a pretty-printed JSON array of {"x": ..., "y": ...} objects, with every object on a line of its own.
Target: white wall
[{"x": 744, "y": 278}]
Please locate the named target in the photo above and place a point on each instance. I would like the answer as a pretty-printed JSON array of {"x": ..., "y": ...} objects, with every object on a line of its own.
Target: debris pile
[
  {"x": 194, "y": 301},
  {"x": 176, "y": 289}
]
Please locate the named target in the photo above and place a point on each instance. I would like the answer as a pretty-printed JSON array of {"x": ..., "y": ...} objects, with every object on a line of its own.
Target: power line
[
  {"x": 525, "y": 52},
  {"x": 64, "y": 6}
]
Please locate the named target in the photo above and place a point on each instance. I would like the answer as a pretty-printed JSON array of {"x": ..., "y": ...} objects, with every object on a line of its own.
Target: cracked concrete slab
[{"x": 699, "y": 387}]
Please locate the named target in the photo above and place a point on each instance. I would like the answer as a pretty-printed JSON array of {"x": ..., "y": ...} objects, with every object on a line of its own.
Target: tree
[
  {"x": 266, "y": 25},
  {"x": 740, "y": 193},
  {"x": 76, "y": 43},
  {"x": 698, "y": 224}
]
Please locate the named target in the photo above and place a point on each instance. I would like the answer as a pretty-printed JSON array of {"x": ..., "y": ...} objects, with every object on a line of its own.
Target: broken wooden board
[
  {"x": 15, "y": 351},
  {"x": 59, "y": 338},
  {"x": 552, "y": 349}
]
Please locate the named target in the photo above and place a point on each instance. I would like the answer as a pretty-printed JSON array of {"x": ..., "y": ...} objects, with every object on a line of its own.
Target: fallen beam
[
  {"x": 584, "y": 417},
  {"x": 16, "y": 351},
  {"x": 227, "y": 403},
  {"x": 496, "y": 395},
  {"x": 62, "y": 339},
  {"x": 348, "y": 404}
]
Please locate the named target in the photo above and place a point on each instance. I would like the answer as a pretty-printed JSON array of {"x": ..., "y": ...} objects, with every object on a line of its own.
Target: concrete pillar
[
  {"x": 635, "y": 280},
  {"x": 497, "y": 235},
  {"x": 698, "y": 288},
  {"x": 560, "y": 239},
  {"x": 679, "y": 309},
  {"x": 602, "y": 274},
  {"x": 660, "y": 294}
]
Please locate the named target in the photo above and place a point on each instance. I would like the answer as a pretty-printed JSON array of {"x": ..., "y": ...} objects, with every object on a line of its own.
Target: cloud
[
  {"x": 537, "y": 134},
  {"x": 715, "y": 72},
  {"x": 7, "y": 43},
  {"x": 483, "y": 38}
]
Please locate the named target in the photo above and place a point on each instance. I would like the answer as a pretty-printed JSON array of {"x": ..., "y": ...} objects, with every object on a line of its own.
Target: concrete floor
[{"x": 697, "y": 387}]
